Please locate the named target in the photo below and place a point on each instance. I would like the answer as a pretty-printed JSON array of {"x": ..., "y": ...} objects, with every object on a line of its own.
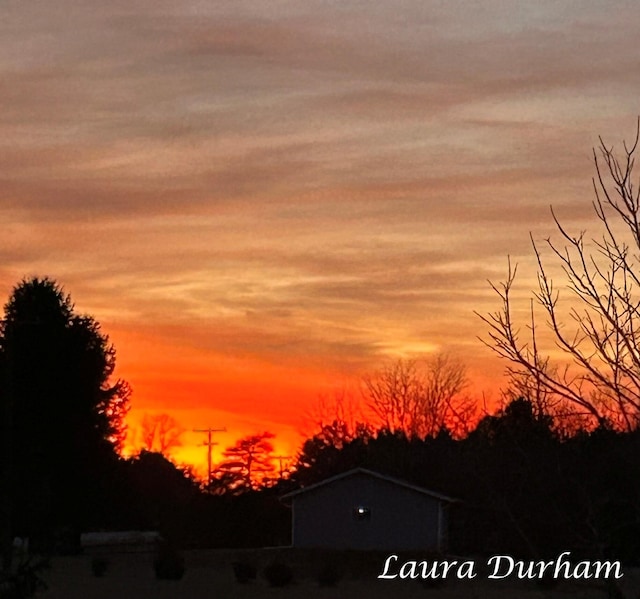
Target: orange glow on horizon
[
  {"x": 247, "y": 396},
  {"x": 200, "y": 390},
  {"x": 192, "y": 451}
]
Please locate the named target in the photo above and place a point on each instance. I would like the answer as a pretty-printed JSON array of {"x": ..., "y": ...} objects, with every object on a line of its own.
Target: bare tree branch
[
  {"x": 598, "y": 333},
  {"x": 160, "y": 432},
  {"x": 420, "y": 399}
]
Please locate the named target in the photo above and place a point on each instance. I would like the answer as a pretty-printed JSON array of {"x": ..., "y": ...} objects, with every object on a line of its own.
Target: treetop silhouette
[
  {"x": 247, "y": 463},
  {"x": 63, "y": 416}
]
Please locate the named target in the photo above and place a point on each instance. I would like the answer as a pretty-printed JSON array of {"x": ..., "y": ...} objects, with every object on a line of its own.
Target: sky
[{"x": 262, "y": 200}]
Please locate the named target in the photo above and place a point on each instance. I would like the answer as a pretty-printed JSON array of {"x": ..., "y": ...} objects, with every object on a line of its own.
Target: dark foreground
[{"x": 210, "y": 574}]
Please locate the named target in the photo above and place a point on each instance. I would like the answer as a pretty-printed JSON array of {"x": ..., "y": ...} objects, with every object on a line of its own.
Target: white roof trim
[{"x": 354, "y": 471}]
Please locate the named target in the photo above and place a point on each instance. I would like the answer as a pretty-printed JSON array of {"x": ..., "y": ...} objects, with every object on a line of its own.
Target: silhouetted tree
[
  {"x": 161, "y": 493},
  {"x": 160, "y": 432},
  {"x": 420, "y": 399},
  {"x": 63, "y": 417},
  {"x": 337, "y": 418},
  {"x": 601, "y": 370},
  {"x": 318, "y": 460},
  {"x": 522, "y": 383},
  {"x": 247, "y": 464},
  {"x": 566, "y": 417}
]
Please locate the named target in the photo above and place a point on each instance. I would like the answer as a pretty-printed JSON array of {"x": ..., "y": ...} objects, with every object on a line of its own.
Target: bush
[
  {"x": 169, "y": 563},
  {"x": 24, "y": 582},
  {"x": 329, "y": 575},
  {"x": 244, "y": 572},
  {"x": 99, "y": 566},
  {"x": 278, "y": 575}
]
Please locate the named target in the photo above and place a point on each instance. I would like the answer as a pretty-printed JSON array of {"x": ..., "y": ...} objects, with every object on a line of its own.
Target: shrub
[
  {"x": 25, "y": 581},
  {"x": 99, "y": 566},
  {"x": 244, "y": 572},
  {"x": 169, "y": 563},
  {"x": 278, "y": 574}
]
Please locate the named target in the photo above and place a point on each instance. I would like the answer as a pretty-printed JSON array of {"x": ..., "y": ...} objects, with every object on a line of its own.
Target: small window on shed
[{"x": 362, "y": 512}]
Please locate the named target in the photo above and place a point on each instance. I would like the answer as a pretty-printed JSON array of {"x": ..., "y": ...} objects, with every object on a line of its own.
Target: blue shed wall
[{"x": 400, "y": 518}]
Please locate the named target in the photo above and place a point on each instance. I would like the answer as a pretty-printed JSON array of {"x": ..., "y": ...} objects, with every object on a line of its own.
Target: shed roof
[{"x": 354, "y": 471}]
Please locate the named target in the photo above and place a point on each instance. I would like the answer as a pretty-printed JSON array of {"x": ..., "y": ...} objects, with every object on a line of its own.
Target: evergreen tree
[
  {"x": 63, "y": 418},
  {"x": 247, "y": 464}
]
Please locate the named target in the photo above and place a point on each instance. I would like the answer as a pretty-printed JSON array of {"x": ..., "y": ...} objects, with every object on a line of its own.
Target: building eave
[{"x": 384, "y": 477}]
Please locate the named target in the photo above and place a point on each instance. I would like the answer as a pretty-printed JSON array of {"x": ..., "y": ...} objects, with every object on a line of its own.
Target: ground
[{"x": 209, "y": 575}]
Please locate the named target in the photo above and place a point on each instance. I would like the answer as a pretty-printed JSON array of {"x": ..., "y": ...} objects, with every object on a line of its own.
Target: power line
[
  {"x": 280, "y": 458},
  {"x": 209, "y": 445}
]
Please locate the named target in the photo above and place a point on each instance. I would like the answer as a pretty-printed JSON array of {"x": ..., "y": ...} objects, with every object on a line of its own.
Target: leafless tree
[
  {"x": 160, "y": 432},
  {"x": 523, "y": 384},
  {"x": 419, "y": 398},
  {"x": 444, "y": 405},
  {"x": 566, "y": 419},
  {"x": 393, "y": 393},
  {"x": 598, "y": 329},
  {"x": 337, "y": 417}
]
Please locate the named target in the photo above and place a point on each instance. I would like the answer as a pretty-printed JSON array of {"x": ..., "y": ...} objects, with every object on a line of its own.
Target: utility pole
[
  {"x": 280, "y": 458},
  {"x": 209, "y": 445}
]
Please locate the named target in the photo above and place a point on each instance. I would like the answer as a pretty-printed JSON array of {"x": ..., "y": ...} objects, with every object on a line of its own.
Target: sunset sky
[{"x": 262, "y": 200}]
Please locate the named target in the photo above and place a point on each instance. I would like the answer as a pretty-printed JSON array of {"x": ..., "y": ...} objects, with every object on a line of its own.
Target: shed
[
  {"x": 127, "y": 541},
  {"x": 366, "y": 510}
]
